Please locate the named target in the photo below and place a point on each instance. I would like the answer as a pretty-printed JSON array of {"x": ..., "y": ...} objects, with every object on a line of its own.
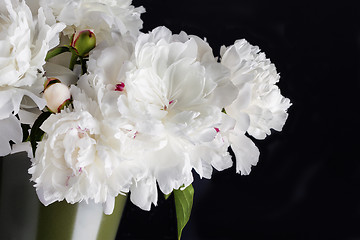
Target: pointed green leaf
[
  {"x": 183, "y": 205},
  {"x": 36, "y": 133},
  {"x": 56, "y": 51},
  {"x": 167, "y": 195}
]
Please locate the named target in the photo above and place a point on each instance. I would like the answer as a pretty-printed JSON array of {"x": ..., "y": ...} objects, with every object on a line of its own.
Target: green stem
[
  {"x": 73, "y": 59},
  {"x": 83, "y": 65},
  {"x": 56, "y": 51}
]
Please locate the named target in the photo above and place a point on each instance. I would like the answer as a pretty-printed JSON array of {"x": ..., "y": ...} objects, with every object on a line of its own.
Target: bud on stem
[
  {"x": 83, "y": 42},
  {"x": 56, "y": 94}
]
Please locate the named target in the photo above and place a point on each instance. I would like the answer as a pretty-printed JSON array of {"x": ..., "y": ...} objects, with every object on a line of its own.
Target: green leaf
[
  {"x": 183, "y": 205},
  {"x": 166, "y": 196},
  {"x": 36, "y": 133},
  {"x": 56, "y": 51}
]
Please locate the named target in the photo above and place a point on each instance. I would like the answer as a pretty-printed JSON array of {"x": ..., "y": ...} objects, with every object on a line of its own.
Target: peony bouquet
[{"x": 104, "y": 110}]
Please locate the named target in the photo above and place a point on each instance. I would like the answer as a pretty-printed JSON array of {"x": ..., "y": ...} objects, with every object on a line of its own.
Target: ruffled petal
[
  {"x": 10, "y": 129},
  {"x": 246, "y": 153},
  {"x": 144, "y": 193}
]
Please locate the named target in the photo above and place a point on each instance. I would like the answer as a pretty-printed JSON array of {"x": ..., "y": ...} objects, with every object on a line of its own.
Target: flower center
[
  {"x": 167, "y": 106},
  {"x": 120, "y": 87},
  {"x": 82, "y": 132}
]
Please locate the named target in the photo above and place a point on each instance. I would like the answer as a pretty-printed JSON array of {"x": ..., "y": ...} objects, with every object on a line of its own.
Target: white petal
[
  {"x": 246, "y": 153},
  {"x": 109, "y": 205},
  {"x": 46, "y": 200},
  {"x": 10, "y": 130},
  {"x": 22, "y": 147},
  {"x": 64, "y": 74},
  {"x": 29, "y": 116},
  {"x": 144, "y": 193}
]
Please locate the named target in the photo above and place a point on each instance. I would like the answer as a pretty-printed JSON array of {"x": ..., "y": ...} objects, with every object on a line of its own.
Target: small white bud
[{"x": 56, "y": 95}]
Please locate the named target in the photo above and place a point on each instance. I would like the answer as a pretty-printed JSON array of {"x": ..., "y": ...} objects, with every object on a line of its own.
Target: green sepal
[
  {"x": 66, "y": 103},
  {"x": 50, "y": 81},
  {"x": 83, "y": 42},
  {"x": 183, "y": 205},
  {"x": 36, "y": 133}
]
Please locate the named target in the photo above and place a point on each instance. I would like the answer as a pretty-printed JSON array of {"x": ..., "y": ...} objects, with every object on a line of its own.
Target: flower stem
[
  {"x": 73, "y": 59},
  {"x": 83, "y": 65},
  {"x": 56, "y": 51}
]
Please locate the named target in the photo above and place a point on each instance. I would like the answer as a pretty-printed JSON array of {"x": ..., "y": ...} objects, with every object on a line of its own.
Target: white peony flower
[
  {"x": 259, "y": 106},
  {"x": 107, "y": 66},
  {"x": 79, "y": 159},
  {"x": 169, "y": 95},
  {"x": 101, "y": 16},
  {"x": 24, "y": 43}
]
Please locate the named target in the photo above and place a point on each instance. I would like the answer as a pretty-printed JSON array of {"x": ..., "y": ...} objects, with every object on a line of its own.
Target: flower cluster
[
  {"x": 24, "y": 42},
  {"x": 130, "y": 111}
]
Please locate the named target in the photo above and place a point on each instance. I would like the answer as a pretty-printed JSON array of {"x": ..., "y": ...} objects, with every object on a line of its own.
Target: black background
[{"x": 307, "y": 182}]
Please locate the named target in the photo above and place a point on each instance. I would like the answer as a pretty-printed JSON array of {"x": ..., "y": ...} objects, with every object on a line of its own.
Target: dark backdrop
[{"x": 307, "y": 182}]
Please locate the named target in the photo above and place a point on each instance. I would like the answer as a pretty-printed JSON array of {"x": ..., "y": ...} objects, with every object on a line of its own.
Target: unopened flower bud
[
  {"x": 83, "y": 42},
  {"x": 57, "y": 96}
]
